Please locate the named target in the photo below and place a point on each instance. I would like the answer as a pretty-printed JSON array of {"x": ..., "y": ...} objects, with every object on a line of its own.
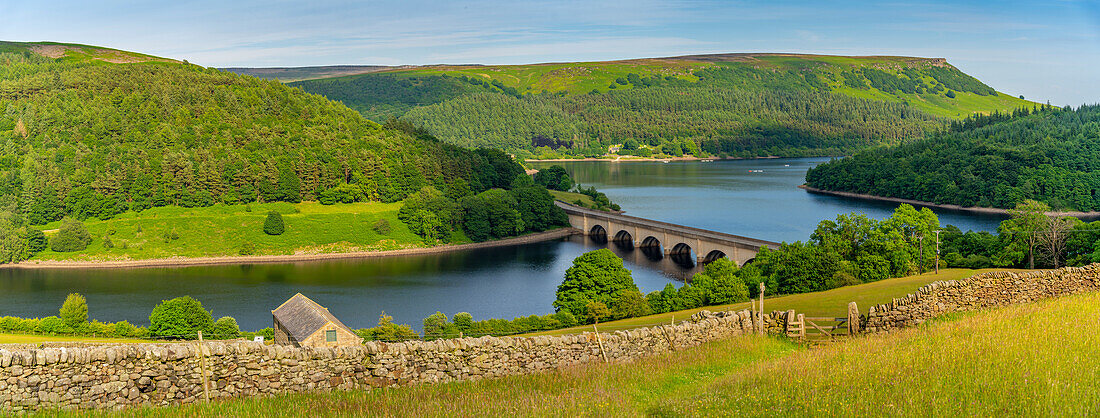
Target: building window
[{"x": 330, "y": 336}]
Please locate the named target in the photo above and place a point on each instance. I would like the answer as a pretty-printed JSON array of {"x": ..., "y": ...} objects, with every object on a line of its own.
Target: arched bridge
[{"x": 669, "y": 239}]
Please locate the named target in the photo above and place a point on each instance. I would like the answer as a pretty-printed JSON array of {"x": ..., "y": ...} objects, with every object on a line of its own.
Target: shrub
[
  {"x": 273, "y": 225},
  {"x": 36, "y": 241},
  {"x": 387, "y": 331},
  {"x": 181, "y": 317},
  {"x": 437, "y": 326},
  {"x": 629, "y": 303},
  {"x": 170, "y": 236},
  {"x": 107, "y": 243},
  {"x": 225, "y": 328},
  {"x": 71, "y": 237},
  {"x": 247, "y": 249},
  {"x": 382, "y": 227},
  {"x": 122, "y": 329},
  {"x": 464, "y": 321},
  {"x": 74, "y": 312},
  {"x": 53, "y": 325}
]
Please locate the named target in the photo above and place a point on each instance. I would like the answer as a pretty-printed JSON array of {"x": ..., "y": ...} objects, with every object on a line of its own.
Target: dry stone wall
[
  {"x": 164, "y": 374},
  {"x": 980, "y": 291}
]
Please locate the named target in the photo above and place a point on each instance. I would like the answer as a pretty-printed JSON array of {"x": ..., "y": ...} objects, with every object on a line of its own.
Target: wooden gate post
[
  {"x": 761, "y": 308},
  {"x": 853, "y": 319}
]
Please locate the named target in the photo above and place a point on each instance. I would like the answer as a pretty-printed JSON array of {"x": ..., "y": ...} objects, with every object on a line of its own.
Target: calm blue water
[{"x": 500, "y": 283}]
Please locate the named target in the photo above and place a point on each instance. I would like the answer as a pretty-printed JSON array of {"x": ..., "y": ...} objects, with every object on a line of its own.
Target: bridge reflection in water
[{"x": 646, "y": 241}]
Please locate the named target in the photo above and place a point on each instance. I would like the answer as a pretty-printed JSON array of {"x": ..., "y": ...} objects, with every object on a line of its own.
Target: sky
[{"x": 1046, "y": 50}]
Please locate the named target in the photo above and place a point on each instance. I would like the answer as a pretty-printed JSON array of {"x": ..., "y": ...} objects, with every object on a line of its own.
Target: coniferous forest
[
  {"x": 1047, "y": 154},
  {"x": 797, "y": 107}
]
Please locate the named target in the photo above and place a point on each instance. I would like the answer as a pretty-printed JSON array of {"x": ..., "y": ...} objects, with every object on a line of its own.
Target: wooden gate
[{"x": 823, "y": 328}]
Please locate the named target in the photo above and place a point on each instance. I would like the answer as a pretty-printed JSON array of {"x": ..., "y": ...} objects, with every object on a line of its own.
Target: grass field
[
  {"x": 223, "y": 230},
  {"x": 828, "y": 303},
  {"x": 1024, "y": 360},
  {"x": 37, "y": 339},
  {"x": 572, "y": 198}
]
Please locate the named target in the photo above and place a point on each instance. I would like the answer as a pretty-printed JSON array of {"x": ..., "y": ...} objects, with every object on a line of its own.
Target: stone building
[{"x": 301, "y": 322}]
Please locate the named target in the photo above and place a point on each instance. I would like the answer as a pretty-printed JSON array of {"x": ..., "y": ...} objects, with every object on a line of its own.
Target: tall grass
[{"x": 1027, "y": 360}]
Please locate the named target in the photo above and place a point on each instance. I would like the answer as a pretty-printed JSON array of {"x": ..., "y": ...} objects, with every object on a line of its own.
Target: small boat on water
[{"x": 756, "y": 171}]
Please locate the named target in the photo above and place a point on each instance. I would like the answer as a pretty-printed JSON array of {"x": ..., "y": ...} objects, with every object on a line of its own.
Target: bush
[
  {"x": 122, "y": 329},
  {"x": 107, "y": 244},
  {"x": 273, "y": 225},
  {"x": 36, "y": 241},
  {"x": 437, "y": 326},
  {"x": 71, "y": 237},
  {"x": 629, "y": 303},
  {"x": 181, "y": 317},
  {"x": 382, "y": 227},
  {"x": 225, "y": 328},
  {"x": 74, "y": 312},
  {"x": 464, "y": 321},
  {"x": 53, "y": 325},
  {"x": 247, "y": 249},
  {"x": 386, "y": 330}
]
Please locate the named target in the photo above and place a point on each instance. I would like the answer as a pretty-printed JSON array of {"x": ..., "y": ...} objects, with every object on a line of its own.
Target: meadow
[
  {"x": 223, "y": 230},
  {"x": 1023, "y": 360},
  {"x": 833, "y": 302}
]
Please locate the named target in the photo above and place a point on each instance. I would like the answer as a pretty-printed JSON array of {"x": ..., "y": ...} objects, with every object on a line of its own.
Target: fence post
[
  {"x": 761, "y": 308},
  {"x": 202, "y": 365},
  {"x": 599, "y": 341},
  {"x": 853, "y": 319}
]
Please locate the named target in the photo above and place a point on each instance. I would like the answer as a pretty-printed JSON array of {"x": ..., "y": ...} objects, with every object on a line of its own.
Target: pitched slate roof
[{"x": 302, "y": 317}]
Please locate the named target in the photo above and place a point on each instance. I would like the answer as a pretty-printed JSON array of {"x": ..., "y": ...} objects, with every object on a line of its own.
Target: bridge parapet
[{"x": 673, "y": 239}]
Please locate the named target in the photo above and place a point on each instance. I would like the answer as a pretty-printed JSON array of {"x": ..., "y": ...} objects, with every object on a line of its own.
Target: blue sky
[{"x": 1045, "y": 50}]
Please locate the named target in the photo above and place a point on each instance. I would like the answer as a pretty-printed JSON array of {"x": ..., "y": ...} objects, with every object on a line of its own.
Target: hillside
[
  {"x": 730, "y": 104},
  {"x": 1014, "y": 361},
  {"x": 92, "y": 132},
  {"x": 1049, "y": 155},
  {"x": 289, "y": 74}
]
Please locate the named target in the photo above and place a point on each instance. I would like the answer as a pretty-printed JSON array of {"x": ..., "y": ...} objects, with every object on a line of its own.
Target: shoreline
[
  {"x": 290, "y": 258},
  {"x": 647, "y": 159},
  {"x": 968, "y": 209}
]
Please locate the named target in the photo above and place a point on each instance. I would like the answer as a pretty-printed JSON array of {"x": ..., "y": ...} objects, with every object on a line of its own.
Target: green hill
[
  {"x": 93, "y": 132},
  {"x": 730, "y": 104},
  {"x": 1049, "y": 155}
]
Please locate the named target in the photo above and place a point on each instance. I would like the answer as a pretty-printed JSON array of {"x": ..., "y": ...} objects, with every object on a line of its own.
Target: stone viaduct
[{"x": 670, "y": 239}]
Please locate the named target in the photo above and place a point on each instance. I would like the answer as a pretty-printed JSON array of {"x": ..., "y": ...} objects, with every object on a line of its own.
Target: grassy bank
[
  {"x": 570, "y": 197},
  {"x": 38, "y": 339},
  {"x": 828, "y": 303},
  {"x": 1021, "y": 360},
  {"x": 222, "y": 230}
]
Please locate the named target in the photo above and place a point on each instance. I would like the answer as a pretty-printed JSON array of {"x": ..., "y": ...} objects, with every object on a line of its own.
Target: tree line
[{"x": 1045, "y": 154}]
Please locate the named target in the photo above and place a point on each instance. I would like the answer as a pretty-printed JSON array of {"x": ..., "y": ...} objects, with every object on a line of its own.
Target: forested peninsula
[
  {"x": 110, "y": 154},
  {"x": 1046, "y": 154},
  {"x": 728, "y": 105}
]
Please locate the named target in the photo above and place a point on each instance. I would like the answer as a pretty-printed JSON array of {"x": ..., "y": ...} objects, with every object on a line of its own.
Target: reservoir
[{"x": 754, "y": 198}]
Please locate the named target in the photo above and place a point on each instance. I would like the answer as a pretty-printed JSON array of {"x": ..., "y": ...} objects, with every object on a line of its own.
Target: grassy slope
[
  {"x": 582, "y": 77},
  {"x": 571, "y": 197},
  {"x": 78, "y": 52},
  {"x": 221, "y": 230},
  {"x": 828, "y": 303},
  {"x": 36, "y": 339},
  {"x": 1024, "y": 360}
]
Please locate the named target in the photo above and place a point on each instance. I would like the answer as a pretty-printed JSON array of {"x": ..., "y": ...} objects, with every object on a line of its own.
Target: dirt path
[{"x": 197, "y": 261}]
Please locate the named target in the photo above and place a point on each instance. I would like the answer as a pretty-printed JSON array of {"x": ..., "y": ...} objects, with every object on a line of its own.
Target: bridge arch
[
  {"x": 713, "y": 256},
  {"x": 598, "y": 234},
  {"x": 624, "y": 240},
  {"x": 651, "y": 248},
  {"x": 681, "y": 254}
]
